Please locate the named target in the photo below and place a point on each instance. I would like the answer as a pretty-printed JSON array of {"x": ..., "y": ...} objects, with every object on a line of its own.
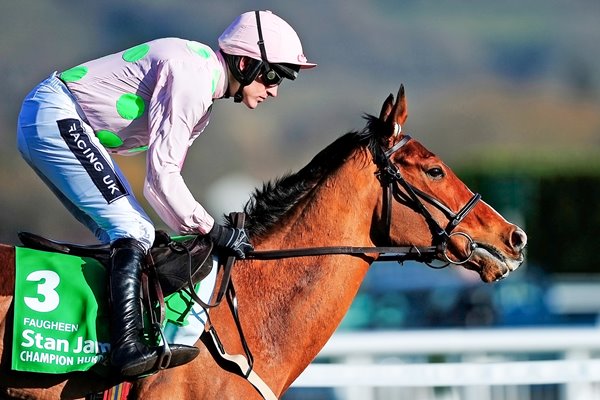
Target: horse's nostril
[{"x": 518, "y": 239}]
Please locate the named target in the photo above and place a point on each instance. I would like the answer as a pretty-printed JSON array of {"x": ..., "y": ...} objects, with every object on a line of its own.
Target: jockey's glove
[{"x": 232, "y": 239}]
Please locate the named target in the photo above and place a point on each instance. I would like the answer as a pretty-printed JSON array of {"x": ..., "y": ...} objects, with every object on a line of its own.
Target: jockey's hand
[
  {"x": 161, "y": 238},
  {"x": 232, "y": 239}
]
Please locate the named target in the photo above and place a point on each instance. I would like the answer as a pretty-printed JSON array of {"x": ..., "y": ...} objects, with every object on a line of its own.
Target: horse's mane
[{"x": 269, "y": 203}]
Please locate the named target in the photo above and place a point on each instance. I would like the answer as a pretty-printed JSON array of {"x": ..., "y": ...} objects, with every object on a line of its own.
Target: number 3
[{"x": 46, "y": 289}]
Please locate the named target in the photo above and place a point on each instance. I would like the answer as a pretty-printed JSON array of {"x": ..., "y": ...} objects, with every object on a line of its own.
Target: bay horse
[{"x": 369, "y": 188}]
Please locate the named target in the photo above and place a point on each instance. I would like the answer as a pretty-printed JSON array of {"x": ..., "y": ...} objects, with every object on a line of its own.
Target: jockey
[{"x": 155, "y": 97}]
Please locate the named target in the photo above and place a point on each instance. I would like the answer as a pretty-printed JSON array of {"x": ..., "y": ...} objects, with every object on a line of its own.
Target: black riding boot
[{"x": 128, "y": 353}]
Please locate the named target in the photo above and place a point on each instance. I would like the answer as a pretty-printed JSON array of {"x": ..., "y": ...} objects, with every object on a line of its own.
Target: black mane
[{"x": 269, "y": 203}]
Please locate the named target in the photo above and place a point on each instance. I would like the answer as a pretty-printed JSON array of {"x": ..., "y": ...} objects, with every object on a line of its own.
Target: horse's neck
[
  {"x": 338, "y": 211},
  {"x": 7, "y": 274},
  {"x": 297, "y": 303}
]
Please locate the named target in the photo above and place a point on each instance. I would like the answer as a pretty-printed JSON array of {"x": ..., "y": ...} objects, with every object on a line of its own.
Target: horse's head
[{"x": 423, "y": 192}]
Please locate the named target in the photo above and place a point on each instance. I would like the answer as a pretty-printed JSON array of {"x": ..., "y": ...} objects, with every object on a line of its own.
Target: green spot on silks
[
  {"x": 216, "y": 75},
  {"x": 138, "y": 149},
  {"x": 200, "y": 49},
  {"x": 109, "y": 139},
  {"x": 136, "y": 53},
  {"x": 73, "y": 74},
  {"x": 130, "y": 106}
]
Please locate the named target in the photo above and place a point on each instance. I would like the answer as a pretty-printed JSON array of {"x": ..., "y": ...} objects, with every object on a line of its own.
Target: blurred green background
[{"x": 507, "y": 93}]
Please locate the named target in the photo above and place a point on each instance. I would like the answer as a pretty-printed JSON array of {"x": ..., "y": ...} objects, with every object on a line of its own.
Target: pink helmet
[{"x": 281, "y": 42}]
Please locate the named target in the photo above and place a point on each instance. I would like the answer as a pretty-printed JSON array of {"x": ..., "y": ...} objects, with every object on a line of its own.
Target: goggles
[{"x": 273, "y": 74}]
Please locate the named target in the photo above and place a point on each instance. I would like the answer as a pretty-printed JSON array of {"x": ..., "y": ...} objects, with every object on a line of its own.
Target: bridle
[{"x": 396, "y": 187}]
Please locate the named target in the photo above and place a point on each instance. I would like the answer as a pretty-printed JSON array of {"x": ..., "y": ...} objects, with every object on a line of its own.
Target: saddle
[
  {"x": 172, "y": 264},
  {"x": 176, "y": 262}
]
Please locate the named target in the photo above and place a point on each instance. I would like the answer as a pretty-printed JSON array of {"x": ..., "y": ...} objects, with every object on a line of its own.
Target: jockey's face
[{"x": 256, "y": 92}]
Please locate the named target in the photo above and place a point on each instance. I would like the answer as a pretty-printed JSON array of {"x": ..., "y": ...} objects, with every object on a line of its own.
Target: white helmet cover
[{"x": 282, "y": 43}]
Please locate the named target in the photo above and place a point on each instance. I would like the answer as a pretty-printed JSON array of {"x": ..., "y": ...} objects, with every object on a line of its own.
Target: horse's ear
[
  {"x": 386, "y": 108},
  {"x": 400, "y": 110},
  {"x": 394, "y": 115}
]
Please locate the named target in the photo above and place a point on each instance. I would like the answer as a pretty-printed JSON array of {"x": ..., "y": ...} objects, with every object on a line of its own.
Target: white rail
[
  {"x": 477, "y": 357},
  {"x": 450, "y": 374},
  {"x": 453, "y": 341}
]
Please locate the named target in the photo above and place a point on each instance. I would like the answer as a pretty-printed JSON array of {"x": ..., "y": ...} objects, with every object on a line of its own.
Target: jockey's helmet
[{"x": 271, "y": 43}]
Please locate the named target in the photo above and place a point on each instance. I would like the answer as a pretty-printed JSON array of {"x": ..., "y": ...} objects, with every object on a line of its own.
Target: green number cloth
[{"x": 61, "y": 312}]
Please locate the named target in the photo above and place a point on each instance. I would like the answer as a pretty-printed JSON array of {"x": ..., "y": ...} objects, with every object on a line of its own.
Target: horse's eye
[{"x": 435, "y": 173}]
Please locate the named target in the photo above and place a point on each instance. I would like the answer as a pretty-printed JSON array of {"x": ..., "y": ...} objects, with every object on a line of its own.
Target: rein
[
  {"x": 399, "y": 254},
  {"x": 395, "y": 187}
]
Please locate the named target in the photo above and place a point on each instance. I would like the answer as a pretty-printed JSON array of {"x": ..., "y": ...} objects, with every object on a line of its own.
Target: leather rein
[{"x": 397, "y": 188}]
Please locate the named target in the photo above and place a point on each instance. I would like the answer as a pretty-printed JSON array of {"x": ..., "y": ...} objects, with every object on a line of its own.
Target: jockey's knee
[
  {"x": 141, "y": 230},
  {"x": 145, "y": 234}
]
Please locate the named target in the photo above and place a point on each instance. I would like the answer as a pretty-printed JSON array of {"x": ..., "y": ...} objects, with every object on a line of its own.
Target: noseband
[{"x": 395, "y": 186}]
